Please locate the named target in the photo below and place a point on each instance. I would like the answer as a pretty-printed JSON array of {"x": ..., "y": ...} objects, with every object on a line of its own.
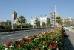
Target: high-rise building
[
  {"x": 14, "y": 15},
  {"x": 53, "y": 17},
  {"x": 13, "y": 18}
]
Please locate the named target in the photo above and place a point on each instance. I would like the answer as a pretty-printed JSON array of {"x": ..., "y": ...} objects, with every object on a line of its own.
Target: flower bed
[{"x": 42, "y": 41}]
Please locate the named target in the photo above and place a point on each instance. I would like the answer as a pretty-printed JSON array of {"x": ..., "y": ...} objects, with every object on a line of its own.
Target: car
[
  {"x": 66, "y": 28},
  {"x": 72, "y": 27}
]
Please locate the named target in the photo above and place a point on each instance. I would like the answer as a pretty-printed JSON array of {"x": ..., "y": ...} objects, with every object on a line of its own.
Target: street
[
  {"x": 19, "y": 34},
  {"x": 69, "y": 41}
]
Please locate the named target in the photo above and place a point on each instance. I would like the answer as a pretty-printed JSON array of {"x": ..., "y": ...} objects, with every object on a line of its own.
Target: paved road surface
[
  {"x": 19, "y": 34},
  {"x": 69, "y": 41}
]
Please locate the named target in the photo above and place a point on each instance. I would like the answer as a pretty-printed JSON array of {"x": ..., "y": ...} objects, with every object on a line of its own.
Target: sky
[{"x": 29, "y": 8}]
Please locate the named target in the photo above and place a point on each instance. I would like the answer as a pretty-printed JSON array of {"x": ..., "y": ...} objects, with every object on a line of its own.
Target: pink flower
[
  {"x": 53, "y": 45},
  {"x": 7, "y": 43}
]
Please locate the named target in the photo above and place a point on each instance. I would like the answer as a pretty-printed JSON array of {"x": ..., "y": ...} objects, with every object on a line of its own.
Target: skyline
[{"x": 30, "y": 8}]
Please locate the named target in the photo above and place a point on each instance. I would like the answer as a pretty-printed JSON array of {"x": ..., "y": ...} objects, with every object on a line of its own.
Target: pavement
[{"x": 69, "y": 41}]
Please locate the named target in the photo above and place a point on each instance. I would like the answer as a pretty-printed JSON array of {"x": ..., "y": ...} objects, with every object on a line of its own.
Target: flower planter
[
  {"x": 36, "y": 48},
  {"x": 53, "y": 45},
  {"x": 7, "y": 43},
  {"x": 17, "y": 44},
  {"x": 37, "y": 42}
]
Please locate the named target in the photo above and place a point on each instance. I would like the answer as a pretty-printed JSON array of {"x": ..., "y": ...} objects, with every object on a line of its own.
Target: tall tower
[
  {"x": 14, "y": 15},
  {"x": 53, "y": 17},
  {"x": 13, "y": 18}
]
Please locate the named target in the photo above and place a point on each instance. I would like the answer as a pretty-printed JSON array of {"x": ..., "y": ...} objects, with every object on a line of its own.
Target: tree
[
  {"x": 5, "y": 25},
  {"x": 28, "y": 25},
  {"x": 22, "y": 21},
  {"x": 8, "y": 24},
  {"x": 59, "y": 20},
  {"x": 48, "y": 22},
  {"x": 37, "y": 23},
  {"x": 67, "y": 22},
  {"x": 43, "y": 24}
]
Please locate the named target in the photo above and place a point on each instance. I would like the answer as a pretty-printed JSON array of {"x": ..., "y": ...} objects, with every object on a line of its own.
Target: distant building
[
  {"x": 41, "y": 19},
  {"x": 33, "y": 22},
  {"x": 68, "y": 21},
  {"x": 14, "y": 15},
  {"x": 13, "y": 18}
]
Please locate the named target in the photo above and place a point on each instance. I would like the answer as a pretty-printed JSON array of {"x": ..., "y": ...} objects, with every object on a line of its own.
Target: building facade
[
  {"x": 41, "y": 19},
  {"x": 13, "y": 18}
]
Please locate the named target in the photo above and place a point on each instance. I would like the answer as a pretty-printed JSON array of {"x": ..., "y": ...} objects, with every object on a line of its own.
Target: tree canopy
[
  {"x": 48, "y": 22},
  {"x": 37, "y": 23},
  {"x": 59, "y": 20}
]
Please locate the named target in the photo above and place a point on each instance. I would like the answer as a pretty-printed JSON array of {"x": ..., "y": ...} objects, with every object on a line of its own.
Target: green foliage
[
  {"x": 21, "y": 20},
  {"x": 43, "y": 24},
  {"x": 59, "y": 20},
  {"x": 1, "y": 47},
  {"x": 48, "y": 22},
  {"x": 6, "y": 25},
  {"x": 28, "y": 25},
  {"x": 37, "y": 23},
  {"x": 41, "y": 42}
]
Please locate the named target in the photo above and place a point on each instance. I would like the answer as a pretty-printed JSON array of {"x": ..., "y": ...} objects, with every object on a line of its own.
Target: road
[
  {"x": 69, "y": 41},
  {"x": 19, "y": 34}
]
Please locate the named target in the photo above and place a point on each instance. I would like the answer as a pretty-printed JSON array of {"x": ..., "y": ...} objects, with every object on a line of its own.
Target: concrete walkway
[{"x": 69, "y": 41}]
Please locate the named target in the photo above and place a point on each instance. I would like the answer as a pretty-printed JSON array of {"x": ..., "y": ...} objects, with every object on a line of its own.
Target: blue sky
[{"x": 30, "y": 8}]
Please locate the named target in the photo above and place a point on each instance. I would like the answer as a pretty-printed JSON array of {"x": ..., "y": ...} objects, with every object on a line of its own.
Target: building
[
  {"x": 41, "y": 19},
  {"x": 33, "y": 22},
  {"x": 13, "y": 18},
  {"x": 68, "y": 21},
  {"x": 14, "y": 15}
]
